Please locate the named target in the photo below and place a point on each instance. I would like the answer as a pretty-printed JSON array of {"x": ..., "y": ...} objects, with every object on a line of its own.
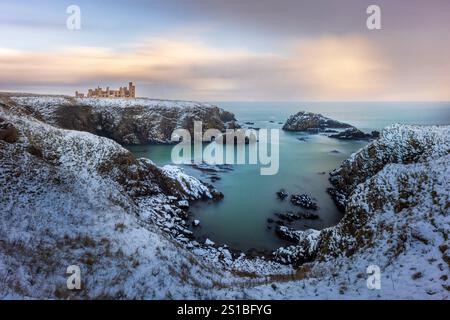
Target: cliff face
[{"x": 137, "y": 121}]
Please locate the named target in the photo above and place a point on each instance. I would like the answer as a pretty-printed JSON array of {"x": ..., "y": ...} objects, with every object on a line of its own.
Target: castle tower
[{"x": 132, "y": 90}]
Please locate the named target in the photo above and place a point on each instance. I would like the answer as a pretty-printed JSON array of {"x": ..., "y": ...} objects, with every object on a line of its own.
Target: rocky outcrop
[
  {"x": 282, "y": 194},
  {"x": 399, "y": 144},
  {"x": 136, "y": 121},
  {"x": 315, "y": 123},
  {"x": 288, "y": 234},
  {"x": 355, "y": 134},
  {"x": 304, "y": 201},
  {"x": 312, "y": 122},
  {"x": 304, "y": 249}
]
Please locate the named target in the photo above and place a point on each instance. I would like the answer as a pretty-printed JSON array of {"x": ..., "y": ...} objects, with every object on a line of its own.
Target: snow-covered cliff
[
  {"x": 395, "y": 192},
  {"x": 136, "y": 121},
  {"x": 72, "y": 198}
]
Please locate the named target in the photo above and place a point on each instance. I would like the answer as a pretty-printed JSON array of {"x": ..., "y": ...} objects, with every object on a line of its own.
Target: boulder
[{"x": 184, "y": 204}]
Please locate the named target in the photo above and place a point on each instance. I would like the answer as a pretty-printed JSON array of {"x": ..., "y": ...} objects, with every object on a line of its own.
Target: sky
[{"x": 230, "y": 50}]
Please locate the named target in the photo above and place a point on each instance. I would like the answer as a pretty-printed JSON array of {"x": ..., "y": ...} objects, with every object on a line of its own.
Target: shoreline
[{"x": 91, "y": 188}]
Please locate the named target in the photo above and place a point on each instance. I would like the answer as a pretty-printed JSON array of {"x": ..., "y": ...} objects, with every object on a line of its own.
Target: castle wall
[{"x": 122, "y": 92}]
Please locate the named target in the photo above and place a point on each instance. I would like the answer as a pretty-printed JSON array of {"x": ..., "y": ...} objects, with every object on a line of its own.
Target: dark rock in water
[
  {"x": 269, "y": 220},
  {"x": 289, "y": 217},
  {"x": 312, "y": 122},
  {"x": 335, "y": 151},
  {"x": 280, "y": 122},
  {"x": 355, "y": 134},
  {"x": 217, "y": 195},
  {"x": 304, "y": 201},
  {"x": 214, "y": 178},
  {"x": 303, "y": 139},
  {"x": 8, "y": 132},
  {"x": 279, "y": 222},
  {"x": 248, "y": 122},
  {"x": 224, "y": 167},
  {"x": 330, "y": 131},
  {"x": 287, "y": 234},
  {"x": 271, "y": 121},
  {"x": 323, "y": 172},
  {"x": 308, "y": 216},
  {"x": 204, "y": 167},
  {"x": 282, "y": 194}
]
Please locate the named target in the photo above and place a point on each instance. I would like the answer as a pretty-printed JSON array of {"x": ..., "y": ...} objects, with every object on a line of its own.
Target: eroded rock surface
[{"x": 132, "y": 121}]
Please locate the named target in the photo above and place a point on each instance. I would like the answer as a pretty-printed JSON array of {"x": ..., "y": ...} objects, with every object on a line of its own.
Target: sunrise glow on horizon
[{"x": 230, "y": 50}]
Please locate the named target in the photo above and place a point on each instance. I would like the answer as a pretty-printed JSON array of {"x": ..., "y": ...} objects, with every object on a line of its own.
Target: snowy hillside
[
  {"x": 70, "y": 197},
  {"x": 73, "y": 198},
  {"x": 397, "y": 214}
]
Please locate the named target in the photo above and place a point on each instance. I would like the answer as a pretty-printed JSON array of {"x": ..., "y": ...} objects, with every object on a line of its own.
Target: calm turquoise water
[{"x": 240, "y": 220}]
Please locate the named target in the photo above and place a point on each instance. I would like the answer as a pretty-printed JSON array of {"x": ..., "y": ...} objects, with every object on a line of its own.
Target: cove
[{"x": 240, "y": 219}]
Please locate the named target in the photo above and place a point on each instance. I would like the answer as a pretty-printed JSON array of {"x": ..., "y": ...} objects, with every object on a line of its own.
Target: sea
[{"x": 240, "y": 220}]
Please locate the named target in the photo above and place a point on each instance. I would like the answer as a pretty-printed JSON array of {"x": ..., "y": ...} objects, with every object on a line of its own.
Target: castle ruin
[{"x": 122, "y": 92}]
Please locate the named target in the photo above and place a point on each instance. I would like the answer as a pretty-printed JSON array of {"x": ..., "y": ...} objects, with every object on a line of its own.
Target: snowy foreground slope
[{"x": 73, "y": 198}]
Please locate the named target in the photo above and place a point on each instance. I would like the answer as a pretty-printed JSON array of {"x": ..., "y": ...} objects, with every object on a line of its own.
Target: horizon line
[{"x": 239, "y": 100}]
